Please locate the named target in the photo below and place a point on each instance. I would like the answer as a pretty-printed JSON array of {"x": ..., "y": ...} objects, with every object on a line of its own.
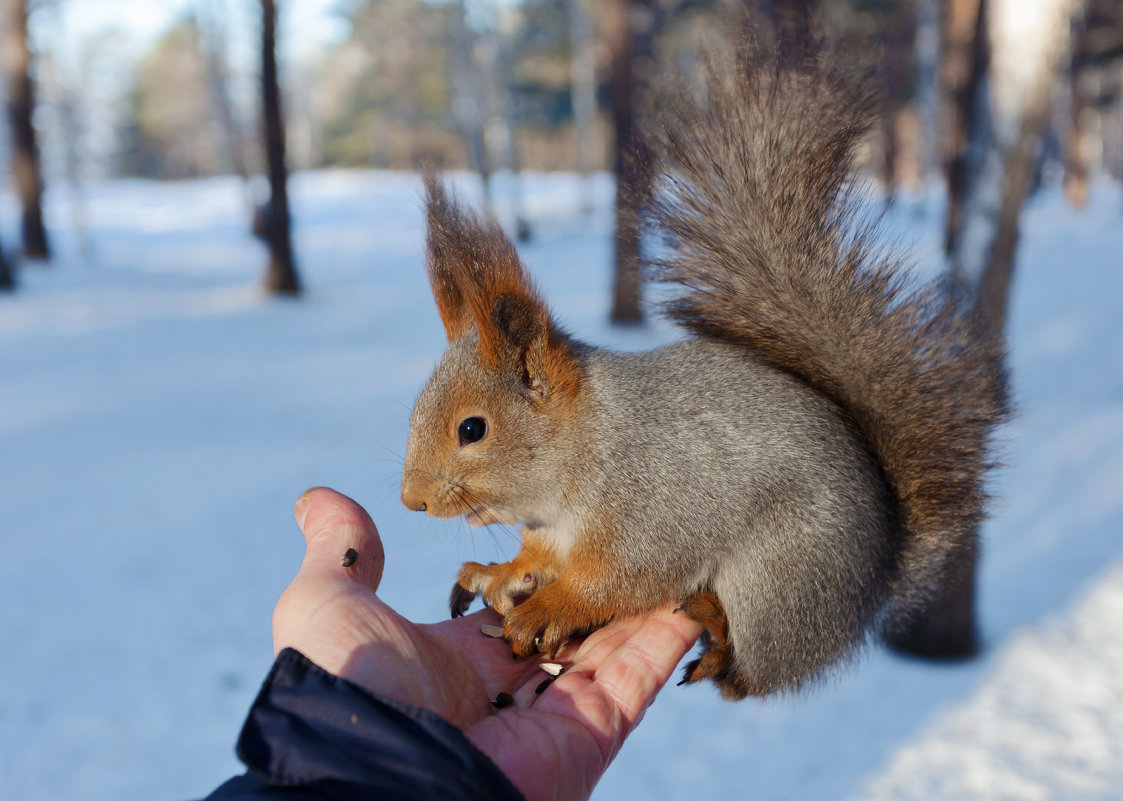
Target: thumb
[{"x": 340, "y": 538}]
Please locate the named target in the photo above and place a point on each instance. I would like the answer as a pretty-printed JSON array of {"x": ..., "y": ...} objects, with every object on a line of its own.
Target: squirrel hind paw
[
  {"x": 717, "y": 661},
  {"x": 716, "y": 664}
]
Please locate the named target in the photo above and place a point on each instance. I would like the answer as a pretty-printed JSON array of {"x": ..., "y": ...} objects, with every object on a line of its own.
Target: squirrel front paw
[
  {"x": 531, "y": 629},
  {"x": 545, "y": 621},
  {"x": 501, "y": 586}
]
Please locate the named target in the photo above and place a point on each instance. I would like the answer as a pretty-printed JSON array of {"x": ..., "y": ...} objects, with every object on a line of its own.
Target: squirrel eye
[{"x": 471, "y": 430}]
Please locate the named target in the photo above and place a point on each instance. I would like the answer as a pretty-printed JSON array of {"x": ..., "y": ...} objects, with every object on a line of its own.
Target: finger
[
  {"x": 340, "y": 538},
  {"x": 634, "y": 672}
]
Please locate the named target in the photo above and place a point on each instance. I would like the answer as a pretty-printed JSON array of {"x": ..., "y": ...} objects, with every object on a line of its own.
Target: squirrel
[{"x": 796, "y": 474}]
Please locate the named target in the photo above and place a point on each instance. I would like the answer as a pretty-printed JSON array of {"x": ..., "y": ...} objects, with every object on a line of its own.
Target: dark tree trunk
[
  {"x": 964, "y": 60},
  {"x": 896, "y": 77},
  {"x": 993, "y": 199},
  {"x": 992, "y": 294},
  {"x": 281, "y": 276},
  {"x": 7, "y": 277},
  {"x": 25, "y": 151},
  {"x": 947, "y": 628},
  {"x": 630, "y": 172},
  {"x": 583, "y": 90},
  {"x": 792, "y": 21}
]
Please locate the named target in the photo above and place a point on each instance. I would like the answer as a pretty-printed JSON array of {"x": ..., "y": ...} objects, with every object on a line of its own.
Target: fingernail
[{"x": 300, "y": 509}]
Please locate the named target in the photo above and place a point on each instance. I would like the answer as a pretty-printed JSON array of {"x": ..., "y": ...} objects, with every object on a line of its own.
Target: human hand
[{"x": 553, "y": 745}]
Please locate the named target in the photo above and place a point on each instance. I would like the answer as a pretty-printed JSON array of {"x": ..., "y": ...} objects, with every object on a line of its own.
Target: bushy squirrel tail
[{"x": 776, "y": 251}]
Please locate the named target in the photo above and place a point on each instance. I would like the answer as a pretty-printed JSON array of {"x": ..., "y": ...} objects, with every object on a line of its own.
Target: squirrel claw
[
  {"x": 690, "y": 673},
  {"x": 529, "y": 641},
  {"x": 460, "y": 600}
]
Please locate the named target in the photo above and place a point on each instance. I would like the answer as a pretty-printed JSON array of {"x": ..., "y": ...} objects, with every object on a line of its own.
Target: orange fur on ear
[{"x": 477, "y": 279}]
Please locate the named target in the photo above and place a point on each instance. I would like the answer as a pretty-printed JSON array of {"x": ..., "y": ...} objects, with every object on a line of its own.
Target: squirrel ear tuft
[
  {"x": 478, "y": 280},
  {"x": 446, "y": 232}
]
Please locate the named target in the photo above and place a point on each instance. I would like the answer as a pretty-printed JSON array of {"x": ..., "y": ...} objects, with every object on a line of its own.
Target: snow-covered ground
[{"x": 158, "y": 417}]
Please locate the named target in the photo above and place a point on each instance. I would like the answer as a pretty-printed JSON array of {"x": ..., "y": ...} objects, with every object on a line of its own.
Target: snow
[{"x": 159, "y": 415}]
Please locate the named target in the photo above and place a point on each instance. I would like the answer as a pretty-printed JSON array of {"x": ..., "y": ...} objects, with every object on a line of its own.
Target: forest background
[{"x": 992, "y": 97}]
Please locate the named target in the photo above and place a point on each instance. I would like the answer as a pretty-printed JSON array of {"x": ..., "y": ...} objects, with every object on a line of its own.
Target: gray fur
[{"x": 776, "y": 504}]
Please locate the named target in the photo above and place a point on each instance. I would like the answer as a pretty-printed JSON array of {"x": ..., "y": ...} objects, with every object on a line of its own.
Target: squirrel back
[
  {"x": 777, "y": 252},
  {"x": 802, "y": 469}
]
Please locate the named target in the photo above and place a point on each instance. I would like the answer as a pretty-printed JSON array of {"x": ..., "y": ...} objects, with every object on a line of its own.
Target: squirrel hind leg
[{"x": 716, "y": 661}]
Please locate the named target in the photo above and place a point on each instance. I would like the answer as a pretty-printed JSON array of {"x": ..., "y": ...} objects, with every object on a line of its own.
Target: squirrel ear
[
  {"x": 446, "y": 231},
  {"x": 543, "y": 355},
  {"x": 478, "y": 280}
]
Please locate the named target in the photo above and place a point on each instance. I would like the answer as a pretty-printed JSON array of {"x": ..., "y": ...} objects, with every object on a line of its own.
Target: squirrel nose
[{"x": 413, "y": 498}]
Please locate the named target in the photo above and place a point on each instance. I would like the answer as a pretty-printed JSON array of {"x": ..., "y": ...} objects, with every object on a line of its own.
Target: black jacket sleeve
[{"x": 313, "y": 735}]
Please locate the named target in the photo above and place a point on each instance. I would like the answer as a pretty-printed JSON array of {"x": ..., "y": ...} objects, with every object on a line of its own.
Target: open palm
[{"x": 552, "y": 745}]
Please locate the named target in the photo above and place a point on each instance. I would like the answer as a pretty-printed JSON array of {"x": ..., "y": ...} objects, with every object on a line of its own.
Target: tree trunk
[
  {"x": 212, "y": 41},
  {"x": 927, "y": 61},
  {"x": 946, "y": 629},
  {"x": 964, "y": 60},
  {"x": 792, "y": 21},
  {"x": 630, "y": 174},
  {"x": 895, "y": 75},
  {"x": 1075, "y": 161},
  {"x": 1094, "y": 83},
  {"x": 992, "y": 292},
  {"x": 1027, "y": 54},
  {"x": 583, "y": 91},
  {"x": 281, "y": 275},
  {"x": 982, "y": 247},
  {"x": 7, "y": 277},
  {"x": 470, "y": 99},
  {"x": 25, "y": 151}
]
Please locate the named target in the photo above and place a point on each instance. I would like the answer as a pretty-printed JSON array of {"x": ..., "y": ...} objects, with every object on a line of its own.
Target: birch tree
[{"x": 1029, "y": 43}]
